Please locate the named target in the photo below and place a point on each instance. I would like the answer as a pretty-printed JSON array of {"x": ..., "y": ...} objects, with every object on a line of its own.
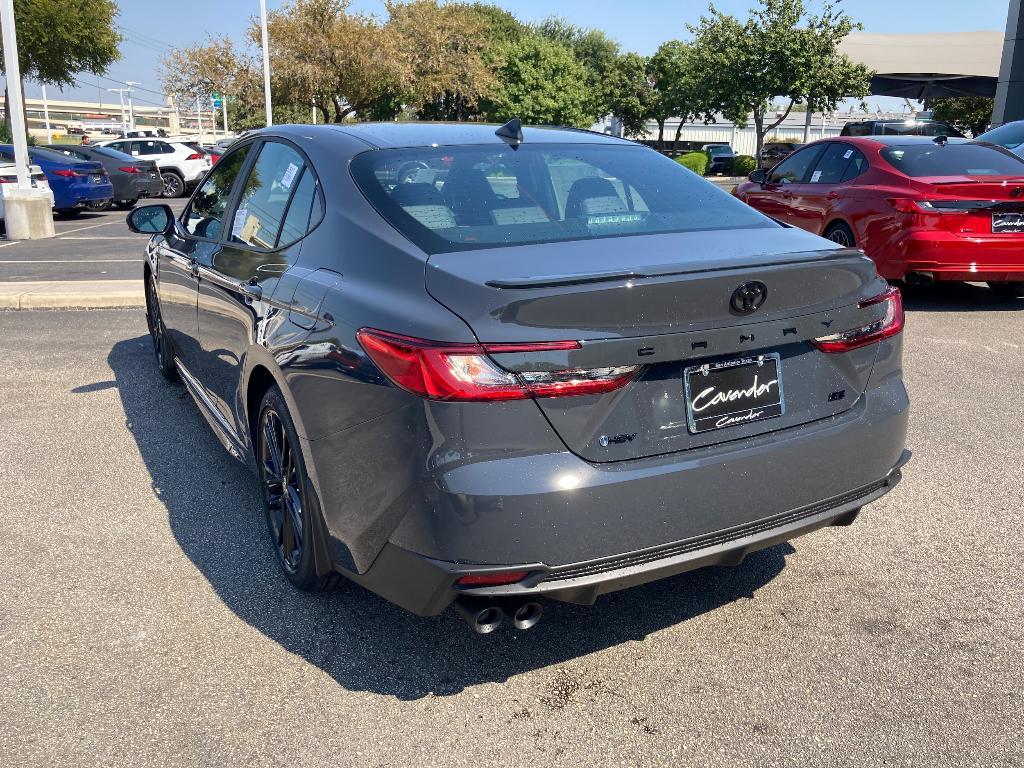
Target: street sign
[{"x": 217, "y": 100}]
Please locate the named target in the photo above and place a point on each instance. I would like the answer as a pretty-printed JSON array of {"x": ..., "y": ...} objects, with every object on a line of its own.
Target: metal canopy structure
[{"x": 929, "y": 66}]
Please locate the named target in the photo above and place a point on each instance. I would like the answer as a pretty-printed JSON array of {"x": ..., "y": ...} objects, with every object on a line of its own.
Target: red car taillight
[
  {"x": 65, "y": 172},
  {"x": 464, "y": 372},
  {"x": 130, "y": 169},
  {"x": 194, "y": 156},
  {"x": 889, "y": 325}
]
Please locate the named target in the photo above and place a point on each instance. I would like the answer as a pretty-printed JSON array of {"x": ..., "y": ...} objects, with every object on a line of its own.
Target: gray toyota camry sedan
[{"x": 481, "y": 366}]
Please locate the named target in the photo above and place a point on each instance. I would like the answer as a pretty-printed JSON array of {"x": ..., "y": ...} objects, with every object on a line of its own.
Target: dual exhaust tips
[{"x": 485, "y": 616}]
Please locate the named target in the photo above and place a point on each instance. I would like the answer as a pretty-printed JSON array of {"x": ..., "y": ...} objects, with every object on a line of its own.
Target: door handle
[
  {"x": 252, "y": 290},
  {"x": 193, "y": 268}
]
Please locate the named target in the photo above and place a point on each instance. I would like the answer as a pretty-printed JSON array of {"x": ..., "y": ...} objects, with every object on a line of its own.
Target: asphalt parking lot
[
  {"x": 91, "y": 246},
  {"x": 143, "y": 621}
]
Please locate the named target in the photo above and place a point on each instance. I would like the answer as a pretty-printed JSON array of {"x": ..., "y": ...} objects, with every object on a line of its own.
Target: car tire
[
  {"x": 126, "y": 205},
  {"x": 1013, "y": 289},
  {"x": 174, "y": 185},
  {"x": 290, "y": 506},
  {"x": 68, "y": 213},
  {"x": 102, "y": 205},
  {"x": 841, "y": 234},
  {"x": 158, "y": 333}
]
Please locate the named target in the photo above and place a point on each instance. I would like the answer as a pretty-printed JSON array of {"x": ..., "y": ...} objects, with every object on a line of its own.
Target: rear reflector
[
  {"x": 491, "y": 579},
  {"x": 464, "y": 372},
  {"x": 889, "y": 325}
]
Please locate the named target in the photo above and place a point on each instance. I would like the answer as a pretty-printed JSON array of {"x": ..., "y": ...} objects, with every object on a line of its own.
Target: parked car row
[
  {"x": 181, "y": 166},
  {"x": 923, "y": 208}
]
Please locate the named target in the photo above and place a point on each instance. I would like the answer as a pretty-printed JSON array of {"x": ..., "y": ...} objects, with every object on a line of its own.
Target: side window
[
  {"x": 794, "y": 168},
  {"x": 164, "y": 147},
  {"x": 134, "y": 147},
  {"x": 265, "y": 195},
  {"x": 857, "y": 165},
  {"x": 300, "y": 218},
  {"x": 205, "y": 215},
  {"x": 832, "y": 164},
  {"x": 148, "y": 147}
]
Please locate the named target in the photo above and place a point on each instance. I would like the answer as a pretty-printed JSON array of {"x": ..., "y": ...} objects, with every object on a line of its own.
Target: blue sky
[{"x": 152, "y": 26}]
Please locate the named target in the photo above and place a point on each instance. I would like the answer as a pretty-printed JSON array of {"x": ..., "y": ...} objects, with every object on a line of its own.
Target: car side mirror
[
  {"x": 758, "y": 176},
  {"x": 151, "y": 219}
]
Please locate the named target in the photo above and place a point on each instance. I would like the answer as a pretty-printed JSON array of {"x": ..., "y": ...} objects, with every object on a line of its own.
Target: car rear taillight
[
  {"x": 465, "y": 372},
  {"x": 889, "y": 325},
  {"x": 130, "y": 169},
  {"x": 497, "y": 579},
  {"x": 65, "y": 172},
  {"x": 194, "y": 156}
]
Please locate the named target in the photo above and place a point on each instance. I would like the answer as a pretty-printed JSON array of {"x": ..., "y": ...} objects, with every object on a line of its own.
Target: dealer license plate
[{"x": 733, "y": 392}]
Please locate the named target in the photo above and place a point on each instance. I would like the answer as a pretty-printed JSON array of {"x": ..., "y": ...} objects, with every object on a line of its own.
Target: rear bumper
[
  {"x": 948, "y": 257},
  {"x": 624, "y": 523},
  {"x": 428, "y": 587}
]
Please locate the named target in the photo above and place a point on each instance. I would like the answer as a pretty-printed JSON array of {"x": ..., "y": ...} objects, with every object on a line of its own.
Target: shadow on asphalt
[
  {"x": 956, "y": 297},
  {"x": 362, "y": 641}
]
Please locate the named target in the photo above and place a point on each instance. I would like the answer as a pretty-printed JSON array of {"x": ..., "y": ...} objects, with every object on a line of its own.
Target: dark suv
[{"x": 899, "y": 128}]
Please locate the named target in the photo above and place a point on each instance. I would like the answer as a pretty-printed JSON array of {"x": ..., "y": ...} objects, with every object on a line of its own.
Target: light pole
[
  {"x": 17, "y": 116},
  {"x": 131, "y": 112},
  {"x": 46, "y": 118},
  {"x": 266, "y": 63},
  {"x": 120, "y": 93}
]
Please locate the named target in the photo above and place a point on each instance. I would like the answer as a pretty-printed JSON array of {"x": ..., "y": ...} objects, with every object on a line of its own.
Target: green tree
[
  {"x": 597, "y": 52},
  {"x": 678, "y": 88},
  {"x": 542, "y": 82},
  {"x": 631, "y": 94},
  {"x": 58, "y": 39},
  {"x": 450, "y": 56},
  {"x": 968, "y": 114},
  {"x": 779, "y": 51}
]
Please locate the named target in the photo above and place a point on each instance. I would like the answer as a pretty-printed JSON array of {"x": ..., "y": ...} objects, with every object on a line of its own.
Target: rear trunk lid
[
  {"x": 975, "y": 206},
  {"x": 664, "y": 302}
]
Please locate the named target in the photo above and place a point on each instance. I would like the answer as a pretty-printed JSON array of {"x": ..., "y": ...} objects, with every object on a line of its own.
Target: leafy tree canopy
[
  {"x": 781, "y": 50},
  {"x": 968, "y": 114}
]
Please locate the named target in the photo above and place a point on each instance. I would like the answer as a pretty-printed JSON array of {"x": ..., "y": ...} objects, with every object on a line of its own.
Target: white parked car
[
  {"x": 181, "y": 167},
  {"x": 9, "y": 176}
]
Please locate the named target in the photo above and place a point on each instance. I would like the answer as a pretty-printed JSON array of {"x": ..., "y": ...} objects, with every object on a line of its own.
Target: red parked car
[{"x": 923, "y": 208}]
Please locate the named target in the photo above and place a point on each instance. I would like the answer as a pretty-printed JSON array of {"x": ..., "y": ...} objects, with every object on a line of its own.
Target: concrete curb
[{"x": 72, "y": 294}]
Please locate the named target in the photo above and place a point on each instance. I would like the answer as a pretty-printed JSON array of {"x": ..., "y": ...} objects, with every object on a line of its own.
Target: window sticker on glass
[
  {"x": 289, "y": 175},
  {"x": 815, "y": 176},
  {"x": 249, "y": 230},
  {"x": 239, "y": 223},
  {"x": 847, "y": 154}
]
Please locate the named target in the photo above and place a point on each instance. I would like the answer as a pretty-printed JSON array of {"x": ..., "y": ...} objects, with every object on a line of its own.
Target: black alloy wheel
[
  {"x": 158, "y": 334},
  {"x": 290, "y": 504},
  {"x": 126, "y": 205},
  {"x": 840, "y": 234},
  {"x": 282, "y": 490},
  {"x": 174, "y": 186}
]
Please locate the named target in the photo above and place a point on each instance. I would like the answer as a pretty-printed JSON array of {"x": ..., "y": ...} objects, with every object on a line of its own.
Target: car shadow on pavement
[
  {"x": 362, "y": 641},
  {"x": 956, "y": 297}
]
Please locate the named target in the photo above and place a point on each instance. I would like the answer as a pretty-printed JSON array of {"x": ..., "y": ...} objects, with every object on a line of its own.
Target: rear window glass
[
  {"x": 463, "y": 198},
  {"x": 953, "y": 160}
]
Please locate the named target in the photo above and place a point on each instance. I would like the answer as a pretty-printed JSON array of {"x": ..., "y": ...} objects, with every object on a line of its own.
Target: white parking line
[
  {"x": 12, "y": 242},
  {"x": 104, "y": 237},
  {"x": 91, "y": 226}
]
